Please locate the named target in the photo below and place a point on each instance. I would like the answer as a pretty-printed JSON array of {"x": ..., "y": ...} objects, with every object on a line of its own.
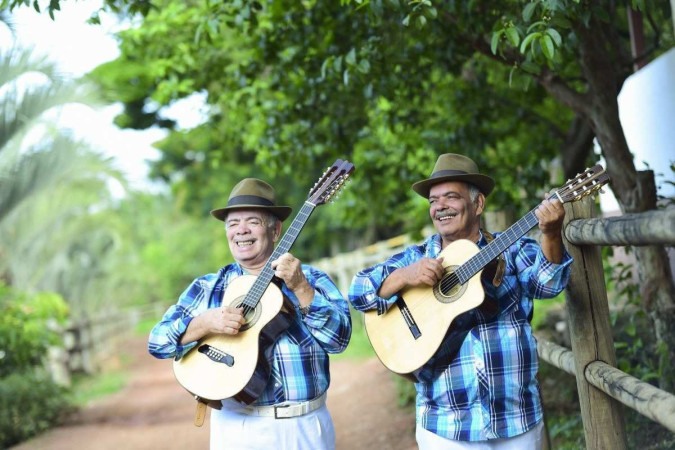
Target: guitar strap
[
  {"x": 495, "y": 268},
  {"x": 492, "y": 273}
]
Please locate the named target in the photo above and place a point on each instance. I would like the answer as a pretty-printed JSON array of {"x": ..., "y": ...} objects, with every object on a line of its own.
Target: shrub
[
  {"x": 30, "y": 402},
  {"x": 28, "y": 327}
]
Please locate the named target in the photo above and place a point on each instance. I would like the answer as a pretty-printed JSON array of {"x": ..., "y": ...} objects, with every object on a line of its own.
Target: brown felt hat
[
  {"x": 251, "y": 193},
  {"x": 453, "y": 167}
]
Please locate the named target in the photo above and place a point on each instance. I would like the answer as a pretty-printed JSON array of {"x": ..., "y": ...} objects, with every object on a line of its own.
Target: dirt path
[{"x": 154, "y": 412}]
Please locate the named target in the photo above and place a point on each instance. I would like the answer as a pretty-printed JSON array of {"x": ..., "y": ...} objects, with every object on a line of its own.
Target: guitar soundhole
[
  {"x": 449, "y": 288},
  {"x": 251, "y": 316}
]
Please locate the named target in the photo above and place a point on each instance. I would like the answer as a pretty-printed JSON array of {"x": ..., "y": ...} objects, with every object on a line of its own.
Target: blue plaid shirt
[
  {"x": 300, "y": 361},
  {"x": 489, "y": 390}
]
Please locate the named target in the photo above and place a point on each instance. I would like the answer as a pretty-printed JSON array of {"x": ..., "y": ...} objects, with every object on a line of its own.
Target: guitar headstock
[
  {"x": 330, "y": 182},
  {"x": 586, "y": 183}
]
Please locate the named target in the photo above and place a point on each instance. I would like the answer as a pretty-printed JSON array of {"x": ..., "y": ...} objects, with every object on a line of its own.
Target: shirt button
[{"x": 277, "y": 384}]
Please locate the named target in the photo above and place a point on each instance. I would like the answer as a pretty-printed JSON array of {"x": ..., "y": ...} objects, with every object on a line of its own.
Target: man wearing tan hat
[
  {"x": 290, "y": 412},
  {"x": 479, "y": 389}
]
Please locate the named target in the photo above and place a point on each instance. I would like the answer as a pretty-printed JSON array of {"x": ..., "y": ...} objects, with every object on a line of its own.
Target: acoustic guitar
[
  {"x": 411, "y": 331},
  {"x": 222, "y": 366}
]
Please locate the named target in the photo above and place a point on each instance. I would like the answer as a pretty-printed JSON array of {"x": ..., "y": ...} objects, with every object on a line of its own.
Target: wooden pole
[{"x": 591, "y": 338}]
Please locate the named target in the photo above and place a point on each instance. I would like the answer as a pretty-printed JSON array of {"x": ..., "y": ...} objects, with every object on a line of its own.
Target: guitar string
[
  {"x": 522, "y": 226},
  {"x": 267, "y": 273},
  {"x": 259, "y": 287}
]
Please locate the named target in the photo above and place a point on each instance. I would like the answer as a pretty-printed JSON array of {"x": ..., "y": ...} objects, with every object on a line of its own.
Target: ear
[
  {"x": 277, "y": 230},
  {"x": 480, "y": 204}
]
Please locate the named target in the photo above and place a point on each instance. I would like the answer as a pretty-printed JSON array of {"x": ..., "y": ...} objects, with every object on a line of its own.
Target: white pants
[
  {"x": 231, "y": 430},
  {"x": 530, "y": 440}
]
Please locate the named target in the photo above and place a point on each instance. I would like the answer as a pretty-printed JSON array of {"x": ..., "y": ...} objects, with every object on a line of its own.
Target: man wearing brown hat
[
  {"x": 479, "y": 389},
  {"x": 290, "y": 412}
]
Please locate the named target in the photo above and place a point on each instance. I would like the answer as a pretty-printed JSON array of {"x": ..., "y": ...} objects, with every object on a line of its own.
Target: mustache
[{"x": 445, "y": 213}]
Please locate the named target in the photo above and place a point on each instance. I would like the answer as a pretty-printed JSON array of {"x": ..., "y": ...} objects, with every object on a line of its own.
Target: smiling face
[
  {"x": 251, "y": 235},
  {"x": 454, "y": 213}
]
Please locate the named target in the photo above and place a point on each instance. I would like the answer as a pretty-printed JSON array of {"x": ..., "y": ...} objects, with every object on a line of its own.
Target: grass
[
  {"x": 359, "y": 346},
  {"x": 87, "y": 388},
  {"x": 144, "y": 326}
]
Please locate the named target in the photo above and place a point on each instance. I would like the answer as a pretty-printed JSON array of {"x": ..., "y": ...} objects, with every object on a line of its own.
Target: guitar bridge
[
  {"x": 409, "y": 319},
  {"x": 216, "y": 355}
]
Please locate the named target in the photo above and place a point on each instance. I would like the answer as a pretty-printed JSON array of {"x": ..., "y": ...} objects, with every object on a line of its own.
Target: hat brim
[
  {"x": 282, "y": 212},
  {"x": 484, "y": 183}
]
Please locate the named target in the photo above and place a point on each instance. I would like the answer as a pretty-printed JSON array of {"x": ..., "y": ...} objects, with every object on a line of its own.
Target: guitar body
[
  {"x": 223, "y": 366},
  {"x": 431, "y": 309}
]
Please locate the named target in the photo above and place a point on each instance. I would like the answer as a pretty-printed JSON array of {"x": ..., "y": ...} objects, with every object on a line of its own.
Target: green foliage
[
  {"x": 645, "y": 434},
  {"x": 359, "y": 346},
  {"x": 303, "y": 84},
  {"x": 405, "y": 391},
  {"x": 54, "y": 231},
  {"x": 28, "y": 327},
  {"x": 637, "y": 351},
  {"x": 129, "y": 7},
  {"x": 164, "y": 249},
  {"x": 91, "y": 387},
  {"x": 30, "y": 403}
]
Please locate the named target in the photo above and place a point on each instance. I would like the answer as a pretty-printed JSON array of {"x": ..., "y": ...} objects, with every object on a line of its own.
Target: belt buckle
[{"x": 278, "y": 407}]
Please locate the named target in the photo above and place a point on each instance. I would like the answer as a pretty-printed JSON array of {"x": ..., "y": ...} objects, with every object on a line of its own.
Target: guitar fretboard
[
  {"x": 497, "y": 246},
  {"x": 267, "y": 273}
]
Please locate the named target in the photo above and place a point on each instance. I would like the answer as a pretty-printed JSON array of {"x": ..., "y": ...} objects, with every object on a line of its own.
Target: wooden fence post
[{"x": 591, "y": 338}]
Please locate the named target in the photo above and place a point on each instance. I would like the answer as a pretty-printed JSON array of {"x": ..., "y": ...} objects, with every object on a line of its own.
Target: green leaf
[
  {"x": 631, "y": 330},
  {"x": 547, "y": 46},
  {"x": 495, "y": 41},
  {"x": 324, "y": 68},
  {"x": 535, "y": 25},
  {"x": 350, "y": 59},
  {"x": 363, "y": 66},
  {"x": 528, "y": 11},
  {"x": 555, "y": 36},
  {"x": 513, "y": 36},
  {"x": 528, "y": 39},
  {"x": 337, "y": 64}
]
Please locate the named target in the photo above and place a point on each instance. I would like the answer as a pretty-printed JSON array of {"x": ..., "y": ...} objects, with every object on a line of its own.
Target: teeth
[{"x": 244, "y": 243}]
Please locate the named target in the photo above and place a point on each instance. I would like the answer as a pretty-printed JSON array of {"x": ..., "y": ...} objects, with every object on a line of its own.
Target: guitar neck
[
  {"x": 267, "y": 273},
  {"x": 496, "y": 247}
]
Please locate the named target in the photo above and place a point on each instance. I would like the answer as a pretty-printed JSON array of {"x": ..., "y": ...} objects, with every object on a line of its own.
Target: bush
[
  {"x": 28, "y": 327},
  {"x": 30, "y": 402}
]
